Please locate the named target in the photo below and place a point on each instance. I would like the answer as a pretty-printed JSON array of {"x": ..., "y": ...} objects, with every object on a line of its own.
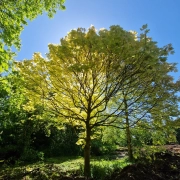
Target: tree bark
[
  {"x": 87, "y": 149},
  {"x": 128, "y": 133}
]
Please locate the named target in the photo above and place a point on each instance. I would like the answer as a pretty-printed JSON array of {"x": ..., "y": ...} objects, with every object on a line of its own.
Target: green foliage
[
  {"x": 18, "y": 123},
  {"x": 178, "y": 135},
  {"x": 61, "y": 143},
  {"x": 101, "y": 147},
  {"x": 147, "y": 153},
  {"x": 27, "y": 132},
  {"x": 118, "y": 137},
  {"x": 30, "y": 155},
  {"x": 10, "y": 100},
  {"x": 102, "y": 169},
  {"x": 14, "y": 14}
]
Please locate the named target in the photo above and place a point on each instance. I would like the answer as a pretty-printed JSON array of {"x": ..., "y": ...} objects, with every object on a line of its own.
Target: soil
[{"x": 165, "y": 167}]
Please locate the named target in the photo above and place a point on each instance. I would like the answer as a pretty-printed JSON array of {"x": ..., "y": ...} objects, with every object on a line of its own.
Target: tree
[
  {"x": 149, "y": 102},
  {"x": 19, "y": 121},
  {"x": 13, "y": 16},
  {"x": 84, "y": 76},
  {"x": 11, "y": 99}
]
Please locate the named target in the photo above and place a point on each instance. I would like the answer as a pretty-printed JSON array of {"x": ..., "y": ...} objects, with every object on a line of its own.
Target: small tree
[{"x": 84, "y": 76}]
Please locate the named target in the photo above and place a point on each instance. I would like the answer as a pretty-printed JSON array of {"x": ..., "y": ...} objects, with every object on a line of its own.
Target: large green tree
[
  {"x": 82, "y": 78},
  {"x": 14, "y": 14}
]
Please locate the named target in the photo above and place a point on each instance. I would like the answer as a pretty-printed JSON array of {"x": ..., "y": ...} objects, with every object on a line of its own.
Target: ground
[{"x": 164, "y": 166}]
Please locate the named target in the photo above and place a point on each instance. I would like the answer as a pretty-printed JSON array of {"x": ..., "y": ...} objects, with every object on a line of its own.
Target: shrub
[{"x": 31, "y": 155}]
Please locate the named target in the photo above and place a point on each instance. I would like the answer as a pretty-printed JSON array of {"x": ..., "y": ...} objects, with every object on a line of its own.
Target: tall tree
[
  {"x": 13, "y": 16},
  {"x": 85, "y": 75}
]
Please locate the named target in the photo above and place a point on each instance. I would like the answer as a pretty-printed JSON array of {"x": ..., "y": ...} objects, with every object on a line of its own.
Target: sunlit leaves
[
  {"x": 14, "y": 15},
  {"x": 95, "y": 78},
  {"x": 101, "y": 78}
]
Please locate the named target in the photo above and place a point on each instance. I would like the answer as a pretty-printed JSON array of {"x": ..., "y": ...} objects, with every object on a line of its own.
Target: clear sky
[{"x": 162, "y": 17}]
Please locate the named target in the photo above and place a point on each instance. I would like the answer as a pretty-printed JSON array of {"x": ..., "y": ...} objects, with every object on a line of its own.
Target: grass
[
  {"x": 73, "y": 164},
  {"x": 52, "y": 168},
  {"x": 67, "y": 165}
]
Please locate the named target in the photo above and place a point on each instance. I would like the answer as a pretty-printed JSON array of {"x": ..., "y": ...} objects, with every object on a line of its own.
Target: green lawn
[{"x": 53, "y": 168}]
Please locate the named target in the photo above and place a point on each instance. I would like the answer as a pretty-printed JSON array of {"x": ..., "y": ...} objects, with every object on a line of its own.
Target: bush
[
  {"x": 62, "y": 143},
  {"x": 31, "y": 155}
]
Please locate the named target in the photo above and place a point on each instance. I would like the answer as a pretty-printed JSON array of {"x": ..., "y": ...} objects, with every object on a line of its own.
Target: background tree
[
  {"x": 13, "y": 16},
  {"x": 11, "y": 99},
  {"x": 19, "y": 121},
  {"x": 150, "y": 99},
  {"x": 86, "y": 74}
]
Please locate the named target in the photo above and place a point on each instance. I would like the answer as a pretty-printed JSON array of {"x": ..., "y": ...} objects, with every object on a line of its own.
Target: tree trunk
[
  {"x": 87, "y": 149},
  {"x": 128, "y": 133}
]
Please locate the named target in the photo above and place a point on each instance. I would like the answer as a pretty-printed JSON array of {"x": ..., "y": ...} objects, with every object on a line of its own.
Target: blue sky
[{"x": 162, "y": 17}]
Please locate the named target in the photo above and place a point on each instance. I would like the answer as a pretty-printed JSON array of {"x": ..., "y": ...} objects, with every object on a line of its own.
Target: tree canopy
[
  {"x": 14, "y": 14},
  {"x": 93, "y": 78}
]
